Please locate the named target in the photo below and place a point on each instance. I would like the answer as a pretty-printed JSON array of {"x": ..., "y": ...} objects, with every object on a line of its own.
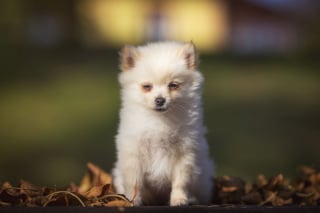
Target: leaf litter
[
  {"x": 275, "y": 191},
  {"x": 96, "y": 189}
]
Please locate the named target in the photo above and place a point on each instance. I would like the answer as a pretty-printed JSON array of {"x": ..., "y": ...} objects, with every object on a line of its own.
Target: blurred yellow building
[
  {"x": 242, "y": 26},
  {"x": 134, "y": 21}
]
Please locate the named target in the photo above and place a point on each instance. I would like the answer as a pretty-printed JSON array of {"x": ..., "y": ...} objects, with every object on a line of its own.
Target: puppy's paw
[
  {"x": 179, "y": 202},
  {"x": 137, "y": 202},
  {"x": 178, "y": 199}
]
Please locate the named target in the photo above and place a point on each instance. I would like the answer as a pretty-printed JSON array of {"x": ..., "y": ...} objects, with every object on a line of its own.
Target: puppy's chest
[
  {"x": 158, "y": 150},
  {"x": 159, "y": 142}
]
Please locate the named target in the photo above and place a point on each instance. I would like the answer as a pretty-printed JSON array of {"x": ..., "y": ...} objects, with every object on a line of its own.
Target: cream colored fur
[{"x": 162, "y": 151}]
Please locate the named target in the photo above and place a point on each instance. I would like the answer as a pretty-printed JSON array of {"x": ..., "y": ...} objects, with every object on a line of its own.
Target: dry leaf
[
  {"x": 85, "y": 184},
  {"x": 100, "y": 176},
  {"x": 229, "y": 189},
  {"x": 97, "y": 191},
  {"x": 118, "y": 203},
  {"x": 30, "y": 189},
  {"x": 261, "y": 180}
]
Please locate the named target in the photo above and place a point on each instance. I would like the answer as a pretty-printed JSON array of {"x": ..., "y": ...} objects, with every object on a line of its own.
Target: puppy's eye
[
  {"x": 173, "y": 86},
  {"x": 146, "y": 87}
]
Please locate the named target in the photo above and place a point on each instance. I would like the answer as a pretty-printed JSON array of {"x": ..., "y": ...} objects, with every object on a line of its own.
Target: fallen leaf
[
  {"x": 85, "y": 184},
  {"x": 30, "y": 189},
  {"x": 97, "y": 191},
  {"x": 118, "y": 203},
  {"x": 100, "y": 177}
]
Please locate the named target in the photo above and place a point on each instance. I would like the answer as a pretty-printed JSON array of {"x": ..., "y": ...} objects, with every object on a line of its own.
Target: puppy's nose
[{"x": 160, "y": 101}]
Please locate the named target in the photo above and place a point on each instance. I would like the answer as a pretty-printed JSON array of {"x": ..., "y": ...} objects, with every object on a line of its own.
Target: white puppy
[{"x": 162, "y": 153}]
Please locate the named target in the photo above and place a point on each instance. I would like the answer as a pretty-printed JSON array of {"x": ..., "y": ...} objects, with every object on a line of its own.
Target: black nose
[{"x": 160, "y": 101}]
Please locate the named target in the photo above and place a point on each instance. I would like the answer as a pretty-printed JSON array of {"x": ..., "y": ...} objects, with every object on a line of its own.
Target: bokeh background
[{"x": 59, "y": 96}]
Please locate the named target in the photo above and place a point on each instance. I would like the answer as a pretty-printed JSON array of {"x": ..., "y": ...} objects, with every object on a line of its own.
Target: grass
[{"x": 60, "y": 110}]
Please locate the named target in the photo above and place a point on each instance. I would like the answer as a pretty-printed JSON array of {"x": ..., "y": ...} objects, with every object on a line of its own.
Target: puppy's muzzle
[
  {"x": 160, "y": 104},
  {"x": 160, "y": 101}
]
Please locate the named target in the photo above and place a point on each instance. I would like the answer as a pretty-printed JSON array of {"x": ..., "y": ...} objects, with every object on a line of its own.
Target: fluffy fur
[{"x": 161, "y": 148}]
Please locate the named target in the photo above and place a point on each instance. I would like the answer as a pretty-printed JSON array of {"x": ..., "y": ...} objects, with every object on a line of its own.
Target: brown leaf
[
  {"x": 273, "y": 182},
  {"x": 229, "y": 189},
  {"x": 118, "y": 203},
  {"x": 8, "y": 188},
  {"x": 252, "y": 198},
  {"x": 73, "y": 187},
  {"x": 30, "y": 189},
  {"x": 12, "y": 195},
  {"x": 86, "y": 184},
  {"x": 261, "y": 180},
  {"x": 306, "y": 171},
  {"x": 100, "y": 177},
  {"x": 269, "y": 198},
  {"x": 97, "y": 191}
]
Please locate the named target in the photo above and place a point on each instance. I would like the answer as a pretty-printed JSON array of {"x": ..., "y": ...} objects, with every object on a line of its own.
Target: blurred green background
[{"x": 59, "y": 96}]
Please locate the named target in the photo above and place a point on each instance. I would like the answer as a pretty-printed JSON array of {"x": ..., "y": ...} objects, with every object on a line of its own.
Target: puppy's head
[{"x": 160, "y": 76}]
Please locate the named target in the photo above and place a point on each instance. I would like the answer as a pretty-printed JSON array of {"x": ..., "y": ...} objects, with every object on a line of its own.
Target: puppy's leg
[
  {"x": 181, "y": 180},
  {"x": 203, "y": 186},
  {"x": 127, "y": 179},
  {"x": 178, "y": 195}
]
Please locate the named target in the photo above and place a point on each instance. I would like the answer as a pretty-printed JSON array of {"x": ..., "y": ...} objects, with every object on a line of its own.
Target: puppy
[{"x": 162, "y": 154}]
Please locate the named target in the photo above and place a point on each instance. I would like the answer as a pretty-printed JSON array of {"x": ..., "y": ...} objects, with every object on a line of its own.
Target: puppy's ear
[
  {"x": 190, "y": 55},
  {"x": 128, "y": 57}
]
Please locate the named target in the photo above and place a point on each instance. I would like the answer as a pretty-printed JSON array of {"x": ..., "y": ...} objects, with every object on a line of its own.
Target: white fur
[{"x": 162, "y": 154}]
